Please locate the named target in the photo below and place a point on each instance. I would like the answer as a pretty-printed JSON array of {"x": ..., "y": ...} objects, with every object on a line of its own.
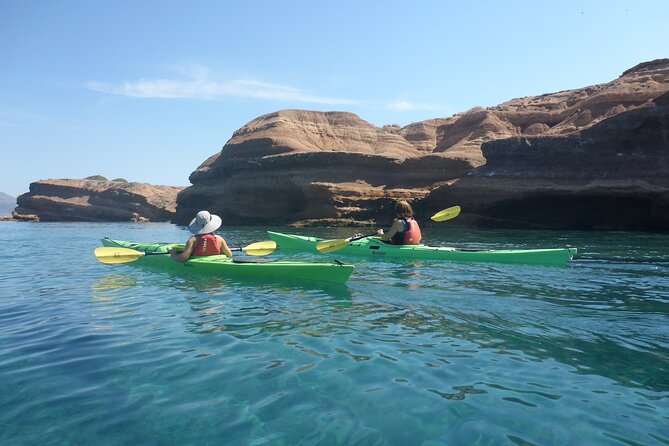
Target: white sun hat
[{"x": 204, "y": 223}]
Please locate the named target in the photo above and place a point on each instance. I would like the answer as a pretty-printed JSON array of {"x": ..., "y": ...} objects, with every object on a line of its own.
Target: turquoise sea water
[{"x": 423, "y": 353}]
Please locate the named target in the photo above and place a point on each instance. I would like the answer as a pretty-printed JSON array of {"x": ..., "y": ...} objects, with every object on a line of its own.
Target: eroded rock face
[
  {"x": 93, "y": 200},
  {"x": 311, "y": 167},
  {"x": 305, "y": 167},
  {"x": 613, "y": 175}
]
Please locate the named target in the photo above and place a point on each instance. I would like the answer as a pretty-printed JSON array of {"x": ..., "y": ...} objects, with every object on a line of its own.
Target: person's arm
[
  {"x": 185, "y": 254},
  {"x": 224, "y": 246},
  {"x": 397, "y": 226}
]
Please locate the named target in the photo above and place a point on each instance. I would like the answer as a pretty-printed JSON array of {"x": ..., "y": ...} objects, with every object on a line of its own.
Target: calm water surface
[{"x": 425, "y": 353}]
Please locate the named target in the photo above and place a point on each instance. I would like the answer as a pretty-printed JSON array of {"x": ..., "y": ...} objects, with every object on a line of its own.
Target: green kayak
[
  {"x": 234, "y": 267},
  {"x": 373, "y": 247}
]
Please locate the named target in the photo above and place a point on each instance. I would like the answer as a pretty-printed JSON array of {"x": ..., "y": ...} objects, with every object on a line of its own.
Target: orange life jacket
[
  {"x": 207, "y": 245},
  {"x": 411, "y": 234}
]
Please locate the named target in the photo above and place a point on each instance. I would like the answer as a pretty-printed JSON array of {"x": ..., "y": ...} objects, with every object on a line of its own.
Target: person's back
[
  {"x": 203, "y": 242},
  {"x": 405, "y": 230},
  {"x": 207, "y": 245},
  {"x": 410, "y": 235}
]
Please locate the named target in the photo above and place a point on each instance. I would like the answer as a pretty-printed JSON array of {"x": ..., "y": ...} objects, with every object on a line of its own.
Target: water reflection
[
  {"x": 113, "y": 297},
  {"x": 245, "y": 312},
  {"x": 438, "y": 335},
  {"x": 445, "y": 327},
  {"x": 462, "y": 314},
  {"x": 114, "y": 282},
  {"x": 410, "y": 274},
  {"x": 241, "y": 308}
]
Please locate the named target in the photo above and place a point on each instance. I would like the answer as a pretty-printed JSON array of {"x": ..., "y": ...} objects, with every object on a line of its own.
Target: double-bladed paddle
[
  {"x": 327, "y": 246},
  {"x": 111, "y": 255}
]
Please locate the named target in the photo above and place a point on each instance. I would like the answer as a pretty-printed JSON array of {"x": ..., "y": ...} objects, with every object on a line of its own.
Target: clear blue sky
[{"x": 147, "y": 90}]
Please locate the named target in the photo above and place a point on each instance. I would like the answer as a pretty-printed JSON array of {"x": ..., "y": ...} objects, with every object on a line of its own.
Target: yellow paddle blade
[
  {"x": 446, "y": 214},
  {"x": 260, "y": 248},
  {"x": 328, "y": 246},
  {"x": 117, "y": 255}
]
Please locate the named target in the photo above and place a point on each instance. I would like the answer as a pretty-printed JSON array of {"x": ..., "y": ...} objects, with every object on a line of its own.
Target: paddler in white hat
[{"x": 203, "y": 242}]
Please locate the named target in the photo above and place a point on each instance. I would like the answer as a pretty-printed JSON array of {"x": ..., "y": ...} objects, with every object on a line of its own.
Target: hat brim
[{"x": 213, "y": 225}]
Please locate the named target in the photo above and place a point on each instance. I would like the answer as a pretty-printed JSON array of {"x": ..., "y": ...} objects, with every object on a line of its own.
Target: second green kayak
[
  {"x": 373, "y": 247},
  {"x": 223, "y": 266}
]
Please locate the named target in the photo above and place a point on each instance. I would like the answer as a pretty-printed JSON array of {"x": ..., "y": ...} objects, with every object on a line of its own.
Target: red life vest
[
  {"x": 411, "y": 234},
  {"x": 207, "y": 245}
]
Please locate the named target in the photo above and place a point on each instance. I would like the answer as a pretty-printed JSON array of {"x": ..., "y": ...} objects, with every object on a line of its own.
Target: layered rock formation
[
  {"x": 612, "y": 174},
  {"x": 303, "y": 167},
  {"x": 309, "y": 166},
  {"x": 94, "y": 200}
]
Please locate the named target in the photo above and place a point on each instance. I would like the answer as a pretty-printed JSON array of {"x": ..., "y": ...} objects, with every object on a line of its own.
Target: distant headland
[
  {"x": 7, "y": 204},
  {"x": 96, "y": 199},
  {"x": 590, "y": 158}
]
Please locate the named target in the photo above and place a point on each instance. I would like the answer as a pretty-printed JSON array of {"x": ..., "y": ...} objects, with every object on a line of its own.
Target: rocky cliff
[
  {"x": 309, "y": 166},
  {"x": 612, "y": 175},
  {"x": 95, "y": 200},
  {"x": 304, "y": 167}
]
